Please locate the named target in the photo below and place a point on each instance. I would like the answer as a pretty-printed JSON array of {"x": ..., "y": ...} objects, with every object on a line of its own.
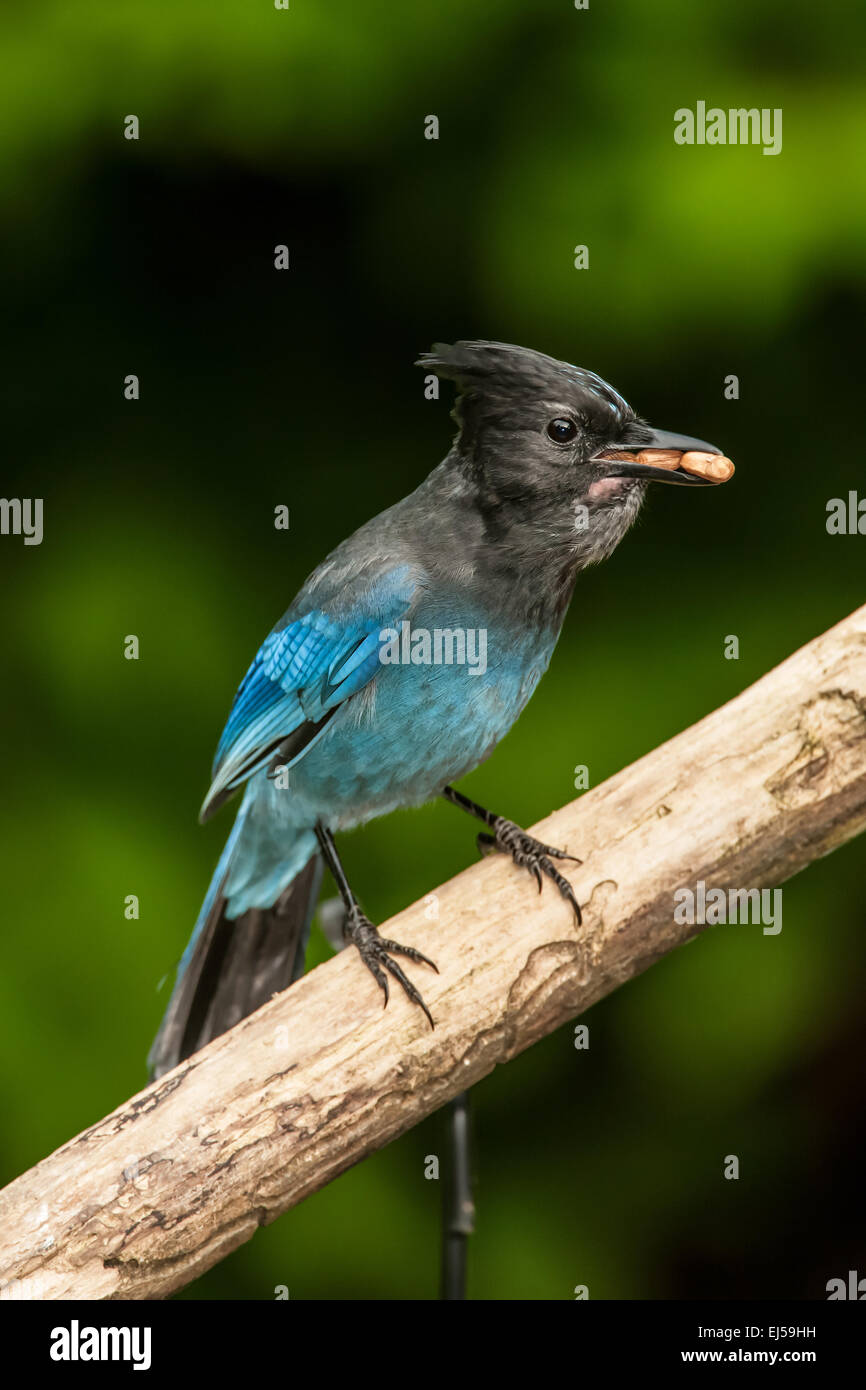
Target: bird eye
[{"x": 561, "y": 431}]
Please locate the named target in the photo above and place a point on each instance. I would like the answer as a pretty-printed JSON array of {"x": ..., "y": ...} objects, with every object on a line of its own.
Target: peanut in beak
[{"x": 713, "y": 466}]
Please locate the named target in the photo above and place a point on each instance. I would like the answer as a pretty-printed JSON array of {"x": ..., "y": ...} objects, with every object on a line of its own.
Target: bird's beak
[{"x": 667, "y": 458}]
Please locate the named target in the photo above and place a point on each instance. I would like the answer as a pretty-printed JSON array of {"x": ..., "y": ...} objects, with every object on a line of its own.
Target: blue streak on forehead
[{"x": 600, "y": 388}]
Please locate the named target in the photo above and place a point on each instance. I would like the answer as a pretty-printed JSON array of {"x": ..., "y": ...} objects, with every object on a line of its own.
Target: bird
[{"x": 346, "y": 714}]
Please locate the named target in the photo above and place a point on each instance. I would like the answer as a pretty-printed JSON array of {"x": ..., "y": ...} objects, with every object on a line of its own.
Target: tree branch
[{"x": 181, "y": 1174}]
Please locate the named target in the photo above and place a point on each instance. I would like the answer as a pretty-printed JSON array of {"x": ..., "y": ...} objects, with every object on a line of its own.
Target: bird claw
[
  {"x": 376, "y": 952},
  {"x": 531, "y": 854}
]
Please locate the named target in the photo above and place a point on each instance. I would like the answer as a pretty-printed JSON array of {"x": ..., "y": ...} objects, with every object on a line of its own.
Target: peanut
[{"x": 714, "y": 466}]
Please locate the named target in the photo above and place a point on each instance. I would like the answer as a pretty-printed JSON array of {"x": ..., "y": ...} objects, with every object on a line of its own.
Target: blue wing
[{"x": 301, "y": 675}]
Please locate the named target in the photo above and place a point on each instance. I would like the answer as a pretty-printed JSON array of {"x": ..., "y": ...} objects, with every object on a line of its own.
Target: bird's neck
[{"x": 522, "y": 551}]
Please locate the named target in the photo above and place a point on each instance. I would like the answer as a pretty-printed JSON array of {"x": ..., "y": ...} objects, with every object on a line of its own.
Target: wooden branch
[{"x": 181, "y": 1174}]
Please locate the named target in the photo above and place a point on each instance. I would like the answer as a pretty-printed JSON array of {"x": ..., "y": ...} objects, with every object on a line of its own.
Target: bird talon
[
  {"x": 376, "y": 952},
  {"x": 396, "y": 949},
  {"x": 531, "y": 854},
  {"x": 555, "y": 853}
]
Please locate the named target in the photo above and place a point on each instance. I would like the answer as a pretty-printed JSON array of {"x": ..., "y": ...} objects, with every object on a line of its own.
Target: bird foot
[
  {"x": 531, "y": 854},
  {"x": 376, "y": 952}
]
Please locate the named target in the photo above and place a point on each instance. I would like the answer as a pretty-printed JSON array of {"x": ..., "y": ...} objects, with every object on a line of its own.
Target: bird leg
[
  {"x": 527, "y": 852},
  {"x": 375, "y": 950}
]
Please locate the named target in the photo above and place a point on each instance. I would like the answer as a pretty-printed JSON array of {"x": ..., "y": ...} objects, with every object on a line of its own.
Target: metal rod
[{"x": 458, "y": 1208}]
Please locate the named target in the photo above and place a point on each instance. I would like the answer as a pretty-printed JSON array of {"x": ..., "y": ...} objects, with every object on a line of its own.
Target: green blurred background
[{"x": 305, "y": 127}]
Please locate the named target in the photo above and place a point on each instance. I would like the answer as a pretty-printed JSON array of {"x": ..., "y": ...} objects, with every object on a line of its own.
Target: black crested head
[
  {"x": 506, "y": 390},
  {"x": 556, "y": 460},
  {"x": 549, "y": 464},
  {"x": 530, "y": 428},
  {"x": 488, "y": 366}
]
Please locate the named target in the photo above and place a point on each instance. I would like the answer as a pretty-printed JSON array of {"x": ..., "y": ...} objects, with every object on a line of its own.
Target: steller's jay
[{"x": 404, "y": 659}]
